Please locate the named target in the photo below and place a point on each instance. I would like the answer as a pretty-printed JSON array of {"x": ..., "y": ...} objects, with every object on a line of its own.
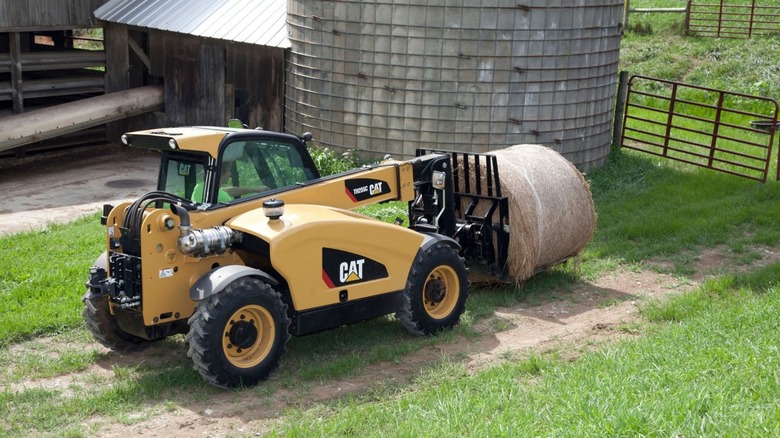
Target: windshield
[{"x": 250, "y": 167}]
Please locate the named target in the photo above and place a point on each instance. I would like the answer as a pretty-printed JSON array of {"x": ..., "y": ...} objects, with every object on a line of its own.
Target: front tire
[
  {"x": 104, "y": 328},
  {"x": 238, "y": 336},
  {"x": 436, "y": 291}
]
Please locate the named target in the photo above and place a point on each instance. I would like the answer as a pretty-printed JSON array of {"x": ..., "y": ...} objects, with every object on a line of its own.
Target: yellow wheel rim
[
  {"x": 441, "y": 292},
  {"x": 248, "y": 336}
]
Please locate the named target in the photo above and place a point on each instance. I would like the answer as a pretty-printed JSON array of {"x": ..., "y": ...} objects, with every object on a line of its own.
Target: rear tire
[
  {"x": 104, "y": 328},
  {"x": 238, "y": 336},
  {"x": 436, "y": 291}
]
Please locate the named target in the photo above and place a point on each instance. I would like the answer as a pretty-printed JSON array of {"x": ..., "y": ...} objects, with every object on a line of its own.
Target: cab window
[{"x": 185, "y": 178}]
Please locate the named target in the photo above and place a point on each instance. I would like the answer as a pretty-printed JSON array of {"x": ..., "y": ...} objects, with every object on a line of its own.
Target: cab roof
[
  {"x": 203, "y": 139},
  {"x": 190, "y": 138}
]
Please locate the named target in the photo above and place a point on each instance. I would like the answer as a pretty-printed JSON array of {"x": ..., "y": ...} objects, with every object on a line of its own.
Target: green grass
[
  {"x": 711, "y": 371},
  {"x": 129, "y": 389},
  {"x": 739, "y": 65},
  {"x": 43, "y": 359},
  {"x": 703, "y": 364},
  {"x": 43, "y": 275},
  {"x": 649, "y": 208}
]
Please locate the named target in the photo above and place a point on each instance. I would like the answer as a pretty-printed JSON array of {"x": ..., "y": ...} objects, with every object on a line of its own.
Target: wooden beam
[
  {"x": 17, "y": 95},
  {"x": 117, "y": 57},
  {"x": 34, "y": 126},
  {"x": 117, "y": 69},
  {"x": 139, "y": 51},
  {"x": 61, "y": 60}
]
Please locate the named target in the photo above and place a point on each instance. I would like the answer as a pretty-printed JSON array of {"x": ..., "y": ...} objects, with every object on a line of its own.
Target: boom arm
[{"x": 390, "y": 181}]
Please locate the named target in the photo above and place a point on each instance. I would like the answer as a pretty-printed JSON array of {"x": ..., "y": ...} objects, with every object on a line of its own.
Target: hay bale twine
[{"x": 551, "y": 212}]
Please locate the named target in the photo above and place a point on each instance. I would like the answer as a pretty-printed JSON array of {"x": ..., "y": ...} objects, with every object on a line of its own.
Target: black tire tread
[
  {"x": 105, "y": 329},
  {"x": 410, "y": 316},
  {"x": 202, "y": 330}
]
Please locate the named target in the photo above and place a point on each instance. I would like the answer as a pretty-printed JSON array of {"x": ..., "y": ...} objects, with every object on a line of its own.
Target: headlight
[{"x": 439, "y": 179}]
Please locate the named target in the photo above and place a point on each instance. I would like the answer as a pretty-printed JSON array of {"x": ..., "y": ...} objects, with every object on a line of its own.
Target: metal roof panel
[{"x": 261, "y": 22}]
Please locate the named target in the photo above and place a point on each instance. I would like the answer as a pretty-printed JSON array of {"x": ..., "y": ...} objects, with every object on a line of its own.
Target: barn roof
[{"x": 261, "y": 22}]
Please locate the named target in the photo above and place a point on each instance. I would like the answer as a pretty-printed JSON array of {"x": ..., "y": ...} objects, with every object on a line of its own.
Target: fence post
[
  {"x": 620, "y": 107},
  {"x": 752, "y": 17},
  {"x": 688, "y": 17},
  {"x": 626, "y": 7}
]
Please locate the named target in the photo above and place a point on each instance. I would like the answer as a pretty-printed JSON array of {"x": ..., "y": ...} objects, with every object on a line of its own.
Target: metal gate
[
  {"x": 730, "y": 20},
  {"x": 716, "y": 129}
]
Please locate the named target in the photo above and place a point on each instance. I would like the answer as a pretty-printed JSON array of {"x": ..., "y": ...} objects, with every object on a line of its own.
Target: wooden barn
[
  {"x": 47, "y": 56},
  {"x": 156, "y": 63},
  {"x": 218, "y": 59}
]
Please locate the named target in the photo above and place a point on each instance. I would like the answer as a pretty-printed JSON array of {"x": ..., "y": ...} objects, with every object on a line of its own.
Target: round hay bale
[{"x": 551, "y": 212}]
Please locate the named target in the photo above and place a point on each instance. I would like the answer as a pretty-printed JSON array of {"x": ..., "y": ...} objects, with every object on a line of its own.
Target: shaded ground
[{"x": 62, "y": 186}]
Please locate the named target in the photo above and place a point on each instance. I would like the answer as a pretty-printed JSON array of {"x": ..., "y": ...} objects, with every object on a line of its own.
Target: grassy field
[
  {"x": 712, "y": 371},
  {"x": 42, "y": 275},
  {"x": 656, "y": 46},
  {"x": 707, "y": 363}
]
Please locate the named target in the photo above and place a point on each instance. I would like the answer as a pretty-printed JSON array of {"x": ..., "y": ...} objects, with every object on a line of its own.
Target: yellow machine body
[
  {"x": 316, "y": 222},
  {"x": 326, "y": 255},
  {"x": 244, "y": 244}
]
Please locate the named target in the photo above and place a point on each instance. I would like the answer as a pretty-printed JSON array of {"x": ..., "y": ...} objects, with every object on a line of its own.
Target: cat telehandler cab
[{"x": 244, "y": 244}]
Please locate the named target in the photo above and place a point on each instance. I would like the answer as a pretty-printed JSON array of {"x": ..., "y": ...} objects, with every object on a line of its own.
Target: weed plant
[{"x": 329, "y": 162}]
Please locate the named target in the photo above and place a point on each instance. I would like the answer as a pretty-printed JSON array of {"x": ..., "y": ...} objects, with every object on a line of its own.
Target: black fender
[
  {"x": 101, "y": 263},
  {"x": 431, "y": 238},
  {"x": 102, "y": 260},
  {"x": 218, "y": 278}
]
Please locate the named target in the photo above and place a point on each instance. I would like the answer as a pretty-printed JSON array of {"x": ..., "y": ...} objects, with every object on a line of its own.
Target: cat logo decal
[
  {"x": 360, "y": 189},
  {"x": 341, "y": 268}
]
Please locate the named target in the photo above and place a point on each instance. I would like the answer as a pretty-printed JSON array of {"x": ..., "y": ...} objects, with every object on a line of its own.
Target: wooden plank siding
[
  {"x": 256, "y": 74},
  {"x": 29, "y": 15},
  {"x": 39, "y": 64},
  {"x": 30, "y": 71},
  {"x": 208, "y": 81}
]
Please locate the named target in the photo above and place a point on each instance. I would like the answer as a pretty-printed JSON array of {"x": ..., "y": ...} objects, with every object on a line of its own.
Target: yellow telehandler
[{"x": 244, "y": 244}]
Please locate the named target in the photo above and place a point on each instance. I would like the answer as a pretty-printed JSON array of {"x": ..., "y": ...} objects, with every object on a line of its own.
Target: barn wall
[
  {"x": 208, "y": 81},
  {"x": 24, "y": 15},
  {"x": 256, "y": 76},
  {"x": 194, "y": 76}
]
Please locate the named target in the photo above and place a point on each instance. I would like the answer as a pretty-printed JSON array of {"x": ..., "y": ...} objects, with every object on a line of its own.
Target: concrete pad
[{"x": 62, "y": 186}]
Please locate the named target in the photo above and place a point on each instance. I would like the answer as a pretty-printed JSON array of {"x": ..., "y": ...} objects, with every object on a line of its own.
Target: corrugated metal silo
[{"x": 391, "y": 76}]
